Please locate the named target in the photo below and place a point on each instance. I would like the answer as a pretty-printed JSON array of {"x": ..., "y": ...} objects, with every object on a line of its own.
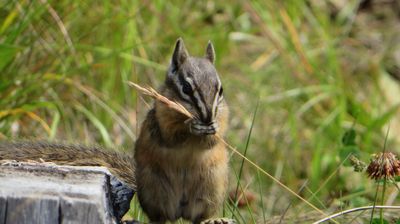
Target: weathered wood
[
  {"x": 75, "y": 211},
  {"x": 37, "y": 193},
  {"x": 32, "y": 210},
  {"x": 2, "y": 210}
]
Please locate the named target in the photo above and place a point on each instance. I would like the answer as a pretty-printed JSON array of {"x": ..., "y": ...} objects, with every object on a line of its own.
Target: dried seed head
[
  {"x": 358, "y": 165},
  {"x": 384, "y": 165}
]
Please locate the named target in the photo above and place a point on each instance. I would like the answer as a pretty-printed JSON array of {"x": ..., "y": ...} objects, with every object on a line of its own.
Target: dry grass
[
  {"x": 316, "y": 70},
  {"x": 155, "y": 95}
]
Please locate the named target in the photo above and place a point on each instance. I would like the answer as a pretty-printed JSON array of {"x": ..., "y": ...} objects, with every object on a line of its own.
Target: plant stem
[
  {"x": 373, "y": 207},
  {"x": 383, "y": 199},
  {"x": 384, "y": 179},
  {"x": 245, "y": 152}
]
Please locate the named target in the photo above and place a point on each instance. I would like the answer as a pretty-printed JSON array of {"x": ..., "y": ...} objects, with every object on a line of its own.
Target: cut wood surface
[{"x": 42, "y": 193}]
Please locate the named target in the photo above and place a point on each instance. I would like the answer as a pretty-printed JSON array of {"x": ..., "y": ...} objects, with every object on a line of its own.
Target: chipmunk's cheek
[{"x": 199, "y": 128}]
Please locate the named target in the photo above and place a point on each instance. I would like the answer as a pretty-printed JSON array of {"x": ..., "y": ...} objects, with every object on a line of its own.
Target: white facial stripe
[
  {"x": 216, "y": 101},
  {"x": 190, "y": 81},
  {"x": 178, "y": 84}
]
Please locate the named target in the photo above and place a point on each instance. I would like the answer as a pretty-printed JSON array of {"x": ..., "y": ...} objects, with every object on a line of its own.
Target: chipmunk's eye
[{"x": 186, "y": 88}]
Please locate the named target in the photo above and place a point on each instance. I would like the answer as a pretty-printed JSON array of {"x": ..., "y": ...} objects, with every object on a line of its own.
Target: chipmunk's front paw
[
  {"x": 219, "y": 221},
  {"x": 199, "y": 128}
]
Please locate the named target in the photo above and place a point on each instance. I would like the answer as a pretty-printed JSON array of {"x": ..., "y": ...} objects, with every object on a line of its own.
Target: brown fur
[{"x": 181, "y": 175}]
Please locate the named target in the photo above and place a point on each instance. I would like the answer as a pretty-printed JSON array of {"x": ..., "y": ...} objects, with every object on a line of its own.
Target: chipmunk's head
[{"x": 196, "y": 85}]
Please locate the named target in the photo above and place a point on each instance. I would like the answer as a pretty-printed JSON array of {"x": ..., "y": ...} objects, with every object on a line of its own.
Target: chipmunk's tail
[{"x": 120, "y": 164}]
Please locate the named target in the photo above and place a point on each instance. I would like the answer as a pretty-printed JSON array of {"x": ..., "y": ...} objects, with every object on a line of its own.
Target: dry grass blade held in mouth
[
  {"x": 154, "y": 94},
  {"x": 178, "y": 107}
]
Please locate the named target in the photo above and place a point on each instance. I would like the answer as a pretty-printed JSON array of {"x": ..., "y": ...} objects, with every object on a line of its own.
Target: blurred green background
[{"x": 316, "y": 70}]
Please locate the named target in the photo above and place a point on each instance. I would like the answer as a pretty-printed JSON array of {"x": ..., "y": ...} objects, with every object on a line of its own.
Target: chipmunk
[{"x": 180, "y": 166}]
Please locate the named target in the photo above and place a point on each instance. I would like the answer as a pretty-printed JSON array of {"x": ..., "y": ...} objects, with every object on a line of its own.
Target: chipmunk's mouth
[{"x": 199, "y": 128}]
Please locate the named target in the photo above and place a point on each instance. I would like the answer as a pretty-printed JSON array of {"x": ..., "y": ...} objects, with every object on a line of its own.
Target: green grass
[{"x": 315, "y": 72}]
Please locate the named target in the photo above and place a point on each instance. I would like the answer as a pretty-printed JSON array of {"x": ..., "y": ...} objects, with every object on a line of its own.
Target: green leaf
[
  {"x": 349, "y": 137},
  {"x": 97, "y": 123},
  {"x": 38, "y": 104},
  {"x": 54, "y": 125},
  {"x": 384, "y": 118},
  {"x": 378, "y": 221},
  {"x": 7, "y": 54}
]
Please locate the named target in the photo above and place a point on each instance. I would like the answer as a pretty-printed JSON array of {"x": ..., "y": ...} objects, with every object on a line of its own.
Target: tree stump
[{"x": 41, "y": 193}]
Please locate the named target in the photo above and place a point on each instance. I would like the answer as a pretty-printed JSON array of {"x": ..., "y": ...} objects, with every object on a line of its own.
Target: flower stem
[
  {"x": 373, "y": 207},
  {"x": 383, "y": 199}
]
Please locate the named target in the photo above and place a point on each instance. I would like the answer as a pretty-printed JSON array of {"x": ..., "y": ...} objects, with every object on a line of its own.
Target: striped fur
[{"x": 197, "y": 86}]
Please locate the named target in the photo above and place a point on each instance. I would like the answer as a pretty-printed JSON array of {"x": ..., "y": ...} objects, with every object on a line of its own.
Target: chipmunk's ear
[
  {"x": 210, "y": 52},
  {"x": 180, "y": 54}
]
